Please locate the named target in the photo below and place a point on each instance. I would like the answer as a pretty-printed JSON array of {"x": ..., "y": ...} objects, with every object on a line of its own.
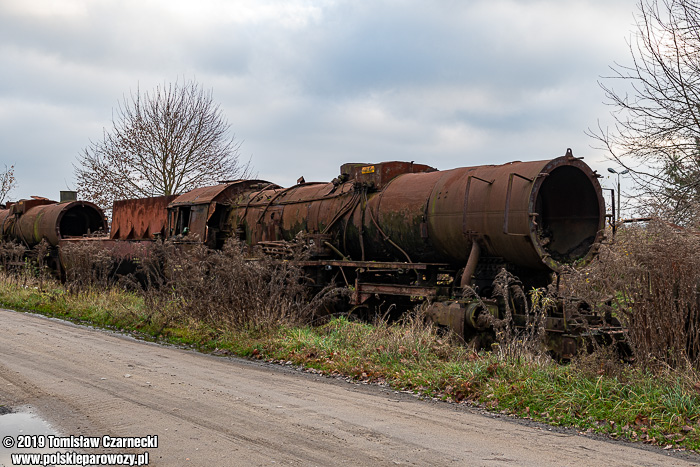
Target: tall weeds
[
  {"x": 12, "y": 256},
  {"x": 227, "y": 288},
  {"x": 650, "y": 280},
  {"x": 89, "y": 265},
  {"x": 529, "y": 340}
]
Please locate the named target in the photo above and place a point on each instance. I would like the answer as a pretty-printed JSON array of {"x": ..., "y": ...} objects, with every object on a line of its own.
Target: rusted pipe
[
  {"x": 337, "y": 251},
  {"x": 470, "y": 268}
]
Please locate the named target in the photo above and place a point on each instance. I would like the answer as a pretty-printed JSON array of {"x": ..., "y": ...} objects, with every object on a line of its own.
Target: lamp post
[{"x": 613, "y": 171}]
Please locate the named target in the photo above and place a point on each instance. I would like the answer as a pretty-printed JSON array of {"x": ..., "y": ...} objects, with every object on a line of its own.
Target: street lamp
[{"x": 613, "y": 171}]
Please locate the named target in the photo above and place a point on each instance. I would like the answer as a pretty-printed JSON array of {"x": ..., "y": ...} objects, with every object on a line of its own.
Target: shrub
[
  {"x": 88, "y": 264},
  {"x": 232, "y": 287},
  {"x": 650, "y": 280}
]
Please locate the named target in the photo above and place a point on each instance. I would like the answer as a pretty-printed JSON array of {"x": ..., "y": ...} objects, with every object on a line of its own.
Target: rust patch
[
  {"x": 140, "y": 219},
  {"x": 378, "y": 175}
]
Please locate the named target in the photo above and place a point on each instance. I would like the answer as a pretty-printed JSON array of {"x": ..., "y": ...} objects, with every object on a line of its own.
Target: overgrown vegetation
[
  {"x": 228, "y": 288},
  {"x": 650, "y": 280},
  {"x": 227, "y": 304}
]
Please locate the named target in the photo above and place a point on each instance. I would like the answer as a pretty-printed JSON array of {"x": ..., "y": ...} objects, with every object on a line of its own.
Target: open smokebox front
[
  {"x": 81, "y": 218},
  {"x": 570, "y": 214}
]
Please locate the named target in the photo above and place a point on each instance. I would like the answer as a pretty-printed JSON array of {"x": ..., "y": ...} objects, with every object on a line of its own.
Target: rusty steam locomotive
[{"x": 396, "y": 231}]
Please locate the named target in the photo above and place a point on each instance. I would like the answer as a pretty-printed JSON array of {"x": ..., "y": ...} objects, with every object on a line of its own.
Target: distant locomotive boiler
[{"x": 30, "y": 221}]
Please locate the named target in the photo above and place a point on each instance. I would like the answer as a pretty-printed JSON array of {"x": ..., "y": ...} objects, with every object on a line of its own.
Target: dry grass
[
  {"x": 650, "y": 280},
  {"x": 528, "y": 341},
  {"x": 89, "y": 265},
  {"x": 231, "y": 288},
  {"x": 12, "y": 256}
]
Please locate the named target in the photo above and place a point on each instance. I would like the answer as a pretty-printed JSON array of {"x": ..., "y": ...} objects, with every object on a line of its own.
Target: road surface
[{"x": 211, "y": 411}]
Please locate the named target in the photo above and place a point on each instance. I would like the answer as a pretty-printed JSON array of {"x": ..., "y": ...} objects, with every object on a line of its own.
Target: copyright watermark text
[{"x": 43, "y": 442}]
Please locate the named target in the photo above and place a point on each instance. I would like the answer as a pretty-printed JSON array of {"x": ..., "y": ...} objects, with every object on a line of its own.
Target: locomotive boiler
[
  {"x": 535, "y": 215},
  {"x": 29, "y": 222}
]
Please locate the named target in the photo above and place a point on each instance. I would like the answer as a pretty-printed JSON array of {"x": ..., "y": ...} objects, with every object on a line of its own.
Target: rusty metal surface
[
  {"x": 139, "y": 219},
  {"x": 280, "y": 214},
  {"x": 208, "y": 194},
  {"x": 52, "y": 222},
  {"x": 378, "y": 175},
  {"x": 533, "y": 214},
  {"x": 538, "y": 215},
  {"x": 203, "y": 195},
  {"x": 5, "y": 219},
  {"x": 398, "y": 213},
  {"x": 200, "y": 214},
  {"x": 24, "y": 205},
  {"x": 364, "y": 291}
]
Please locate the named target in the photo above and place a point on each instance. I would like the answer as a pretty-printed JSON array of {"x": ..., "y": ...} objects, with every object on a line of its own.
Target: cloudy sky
[{"x": 309, "y": 85}]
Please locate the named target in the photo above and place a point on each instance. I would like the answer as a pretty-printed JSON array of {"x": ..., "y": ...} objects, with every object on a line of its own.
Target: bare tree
[
  {"x": 161, "y": 143},
  {"x": 657, "y": 112},
  {"x": 8, "y": 182}
]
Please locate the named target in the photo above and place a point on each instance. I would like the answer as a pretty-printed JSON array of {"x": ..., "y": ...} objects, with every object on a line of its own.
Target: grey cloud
[
  {"x": 446, "y": 82},
  {"x": 360, "y": 50}
]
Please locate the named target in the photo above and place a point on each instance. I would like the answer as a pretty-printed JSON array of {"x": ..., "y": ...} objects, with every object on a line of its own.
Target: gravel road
[{"x": 214, "y": 411}]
